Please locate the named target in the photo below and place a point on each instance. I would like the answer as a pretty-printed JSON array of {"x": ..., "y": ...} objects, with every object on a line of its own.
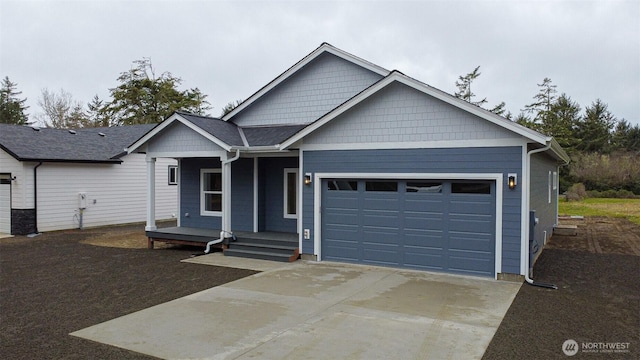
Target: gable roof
[
  {"x": 227, "y": 135},
  {"x": 396, "y": 76},
  {"x": 85, "y": 145},
  {"x": 322, "y": 49}
]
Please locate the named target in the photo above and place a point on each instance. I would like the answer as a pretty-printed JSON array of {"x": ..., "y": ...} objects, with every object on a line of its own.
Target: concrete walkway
[{"x": 322, "y": 310}]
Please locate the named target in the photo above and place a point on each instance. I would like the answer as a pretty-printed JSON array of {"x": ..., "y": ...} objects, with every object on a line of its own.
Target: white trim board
[{"x": 317, "y": 200}]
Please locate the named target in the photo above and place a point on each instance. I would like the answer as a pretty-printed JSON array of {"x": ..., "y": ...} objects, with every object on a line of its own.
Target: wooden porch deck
[{"x": 200, "y": 237}]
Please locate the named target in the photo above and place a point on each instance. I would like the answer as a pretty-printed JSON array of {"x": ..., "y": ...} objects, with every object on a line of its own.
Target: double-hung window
[{"x": 211, "y": 192}]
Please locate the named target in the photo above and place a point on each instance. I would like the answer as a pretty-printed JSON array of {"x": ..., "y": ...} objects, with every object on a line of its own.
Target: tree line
[
  {"x": 593, "y": 136},
  {"x": 141, "y": 97},
  {"x": 604, "y": 150}
]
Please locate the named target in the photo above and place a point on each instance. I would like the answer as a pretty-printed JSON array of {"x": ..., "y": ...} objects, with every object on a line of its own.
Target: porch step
[{"x": 266, "y": 249}]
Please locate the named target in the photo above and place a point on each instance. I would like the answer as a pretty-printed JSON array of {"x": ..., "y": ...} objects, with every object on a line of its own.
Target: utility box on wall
[{"x": 82, "y": 200}]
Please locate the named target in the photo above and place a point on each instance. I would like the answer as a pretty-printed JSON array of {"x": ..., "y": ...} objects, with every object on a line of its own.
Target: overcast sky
[{"x": 230, "y": 49}]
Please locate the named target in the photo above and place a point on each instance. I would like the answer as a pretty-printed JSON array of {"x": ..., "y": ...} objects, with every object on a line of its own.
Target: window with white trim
[
  {"x": 211, "y": 192},
  {"x": 291, "y": 193},
  {"x": 173, "y": 175}
]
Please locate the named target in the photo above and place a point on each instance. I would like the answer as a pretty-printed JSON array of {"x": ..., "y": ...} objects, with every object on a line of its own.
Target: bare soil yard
[
  {"x": 598, "y": 300},
  {"x": 61, "y": 282}
]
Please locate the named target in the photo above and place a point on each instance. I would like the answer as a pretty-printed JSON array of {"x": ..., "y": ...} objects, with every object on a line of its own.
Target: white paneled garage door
[{"x": 422, "y": 224}]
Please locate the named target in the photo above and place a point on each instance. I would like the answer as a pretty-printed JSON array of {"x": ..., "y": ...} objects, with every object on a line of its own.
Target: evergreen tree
[
  {"x": 543, "y": 100},
  {"x": 625, "y": 137},
  {"x": 97, "y": 114},
  {"x": 12, "y": 109},
  {"x": 229, "y": 107},
  {"x": 464, "y": 87},
  {"x": 143, "y": 98},
  {"x": 594, "y": 129},
  {"x": 561, "y": 122}
]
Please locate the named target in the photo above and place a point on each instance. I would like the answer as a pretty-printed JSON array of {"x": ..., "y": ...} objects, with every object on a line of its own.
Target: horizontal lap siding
[
  {"x": 242, "y": 195},
  {"x": 541, "y": 183},
  {"x": 453, "y": 160},
  {"x": 22, "y": 186},
  {"x": 272, "y": 194},
  {"x": 119, "y": 192},
  {"x": 190, "y": 194}
]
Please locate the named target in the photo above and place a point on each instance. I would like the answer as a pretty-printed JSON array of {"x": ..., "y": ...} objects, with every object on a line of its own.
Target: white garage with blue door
[{"x": 427, "y": 224}]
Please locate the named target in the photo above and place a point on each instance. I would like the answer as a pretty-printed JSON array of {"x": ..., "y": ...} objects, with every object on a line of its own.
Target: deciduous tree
[{"x": 60, "y": 110}]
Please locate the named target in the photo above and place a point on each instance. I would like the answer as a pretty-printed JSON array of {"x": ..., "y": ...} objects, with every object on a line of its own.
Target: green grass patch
[{"x": 621, "y": 208}]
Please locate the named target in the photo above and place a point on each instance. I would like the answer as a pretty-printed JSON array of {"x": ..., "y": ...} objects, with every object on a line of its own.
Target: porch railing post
[{"x": 151, "y": 194}]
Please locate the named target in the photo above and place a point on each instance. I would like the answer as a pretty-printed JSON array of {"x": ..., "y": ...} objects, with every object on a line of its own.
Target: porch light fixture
[
  {"x": 307, "y": 179},
  {"x": 512, "y": 181}
]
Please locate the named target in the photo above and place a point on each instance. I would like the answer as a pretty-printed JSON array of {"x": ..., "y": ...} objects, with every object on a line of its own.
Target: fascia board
[{"x": 325, "y": 47}]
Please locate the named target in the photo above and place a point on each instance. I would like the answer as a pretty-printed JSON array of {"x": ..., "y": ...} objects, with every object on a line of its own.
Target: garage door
[
  {"x": 420, "y": 224},
  {"x": 5, "y": 205}
]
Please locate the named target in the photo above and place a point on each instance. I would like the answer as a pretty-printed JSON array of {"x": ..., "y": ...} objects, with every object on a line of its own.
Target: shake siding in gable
[
  {"x": 180, "y": 138},
  {"x": 399, "y": 113},
  {"x": 443, "y": 160},
  {"x": 119, "y": 192},
  {"x": 320, "y": 86}
]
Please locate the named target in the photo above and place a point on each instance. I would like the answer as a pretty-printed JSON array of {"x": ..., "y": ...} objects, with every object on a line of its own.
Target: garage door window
[
  {"x": 382, "y": 186},
  {"x": 470, "y": 188},
  {"x": 342, "y": 185},
  {"x": 424, "y": 187}
]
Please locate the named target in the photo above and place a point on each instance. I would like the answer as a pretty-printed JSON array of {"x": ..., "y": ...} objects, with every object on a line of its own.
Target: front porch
[{"x": 267, "y": 245}]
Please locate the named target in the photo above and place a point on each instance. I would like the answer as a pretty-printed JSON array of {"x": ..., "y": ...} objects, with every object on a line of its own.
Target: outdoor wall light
[
  {"x": 307, "y": 179},
  {"x": 512, "y": 181}
]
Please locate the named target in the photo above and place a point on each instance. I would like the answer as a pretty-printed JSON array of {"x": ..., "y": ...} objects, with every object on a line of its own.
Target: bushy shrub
[
  {"x": 615, "y": 194},
  {"x": 603, "y": 172},
  {"x": 576, "y": 192}
]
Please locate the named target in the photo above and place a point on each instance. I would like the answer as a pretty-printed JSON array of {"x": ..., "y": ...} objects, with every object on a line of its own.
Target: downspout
[
  {"x": 35, "y": 198},
  {"x": 528, "y": 200},
  {"x": 225, "y": 183}
]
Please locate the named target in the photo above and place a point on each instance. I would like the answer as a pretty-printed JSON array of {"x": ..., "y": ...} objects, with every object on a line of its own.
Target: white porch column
[
  {"x": 151, "y": 194},
  {"x": 226, "y": 196}
]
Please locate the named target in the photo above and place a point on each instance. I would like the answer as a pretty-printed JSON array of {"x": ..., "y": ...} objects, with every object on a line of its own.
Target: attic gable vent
[
  {"x": 101, "y": 134},
  {"x": 72, "y": 132}
]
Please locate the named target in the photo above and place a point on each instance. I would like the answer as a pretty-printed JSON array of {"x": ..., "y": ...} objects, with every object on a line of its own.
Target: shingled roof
[{"x": 86, "y": 145}]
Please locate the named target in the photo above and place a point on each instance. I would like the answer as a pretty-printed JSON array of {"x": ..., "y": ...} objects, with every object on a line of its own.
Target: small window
[
  {"x": 173, "y": 175},
  {"x": 550, "y": 186},
  {"x": 342, "y": 185},
  {"x": 290, "y": 193},
  {"x": 381, "y": 186},
  {"x": 424, "y": 187},
  {"x": 211, "y": 192},
  {"x": 470, "y": 188},
  {"x": 555, "y": 180}
]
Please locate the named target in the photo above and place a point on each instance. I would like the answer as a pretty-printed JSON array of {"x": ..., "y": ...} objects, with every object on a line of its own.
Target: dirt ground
[
  {"x": 64, "y": 281},
  {"x": 57, "y": 283},
  {"x": 597, "y": 301}
]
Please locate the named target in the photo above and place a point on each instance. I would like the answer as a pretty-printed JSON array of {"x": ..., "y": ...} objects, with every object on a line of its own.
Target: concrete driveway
[{"x": 320, "y": 311}]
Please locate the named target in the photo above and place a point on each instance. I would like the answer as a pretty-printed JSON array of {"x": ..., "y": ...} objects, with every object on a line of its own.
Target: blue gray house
[{"x": 345, "y": 161}]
